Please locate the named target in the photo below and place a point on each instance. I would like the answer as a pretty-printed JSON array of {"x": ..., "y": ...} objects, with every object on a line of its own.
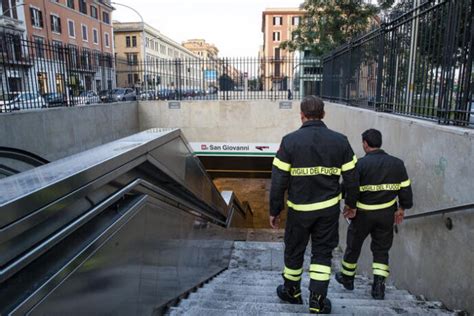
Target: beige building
[
  {"x": 202, "y": 49},
  {"x": 209, "y": 60},
  {"x": 277, "y": 26},
  {"x": 167, "y": 62}
]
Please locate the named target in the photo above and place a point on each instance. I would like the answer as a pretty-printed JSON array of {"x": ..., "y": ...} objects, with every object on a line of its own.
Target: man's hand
[
  {"x": 349, "y": 212},
  {"x": 399, "y": 215},
  {"x": 275, "y": 221}
]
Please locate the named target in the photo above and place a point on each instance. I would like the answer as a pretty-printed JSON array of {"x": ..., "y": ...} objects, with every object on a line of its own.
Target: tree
[{"x": 330, "y": 23}]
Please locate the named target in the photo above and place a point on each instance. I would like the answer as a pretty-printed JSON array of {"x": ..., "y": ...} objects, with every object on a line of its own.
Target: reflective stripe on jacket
[
  {"x": 382, "y": 179},
  {"x": 309, "y": 164}
]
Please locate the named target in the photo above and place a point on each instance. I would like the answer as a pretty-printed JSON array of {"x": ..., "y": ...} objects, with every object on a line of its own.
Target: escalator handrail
[
  {"x": 134, "y": 186},
  {"x": 22, "y": 155}
]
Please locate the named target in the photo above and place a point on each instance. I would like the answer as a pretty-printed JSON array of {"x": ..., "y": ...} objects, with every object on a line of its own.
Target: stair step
[
  {"x": 196, "y": 311},
  {"x": 305, "y": 292},
  {"x": 272, "y": 297},
  {"x": 271, "y": 287},
  {"x": 337, "y": 307}
]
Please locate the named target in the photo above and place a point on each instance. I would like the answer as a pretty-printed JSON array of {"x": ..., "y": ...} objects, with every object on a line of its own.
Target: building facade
[
  {"x": 279, "y": 64},
  {"x": 208, "y": 53},
  {"x": 167, "y": 64},
  {"x": 66, "y": 47}
]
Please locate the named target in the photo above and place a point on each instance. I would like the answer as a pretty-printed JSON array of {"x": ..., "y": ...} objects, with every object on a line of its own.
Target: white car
[
  {"x": 21, "y": 101},
  {"x": 87, "y": 97}
]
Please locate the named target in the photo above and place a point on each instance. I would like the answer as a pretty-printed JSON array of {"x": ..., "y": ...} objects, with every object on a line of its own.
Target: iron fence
[
  {"x": 35, "y": 74},
  {"x": 419, "y": 64},
  {"x": 238, "y": 78}
]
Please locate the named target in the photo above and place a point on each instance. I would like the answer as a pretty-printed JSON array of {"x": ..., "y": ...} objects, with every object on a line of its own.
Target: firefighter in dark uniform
[
  {"x": 309, "y": 164},
  {"x": 383, "y": 179}
]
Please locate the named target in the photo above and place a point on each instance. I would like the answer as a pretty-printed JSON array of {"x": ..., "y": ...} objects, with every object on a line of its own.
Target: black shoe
[
  {"x": 319, "y": 304},
  {"x": 291, "y": 295},
  {"x": 346, "y": 281},
  {"x": 378, "y": 287}
]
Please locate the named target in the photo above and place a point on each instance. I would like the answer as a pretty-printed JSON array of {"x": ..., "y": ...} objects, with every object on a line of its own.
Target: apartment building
[
  {"x": 210, "y": 63},
  {"x": 277, "y": 26},
  {"x": 65, "y": 44},
  {"x": 167, "y": 64}
]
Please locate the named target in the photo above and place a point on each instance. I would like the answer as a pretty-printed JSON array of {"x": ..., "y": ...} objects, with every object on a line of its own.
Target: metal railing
[
  {"x": 238, "y": 78},
  {"x": 442, "y": 211},
  {"x": 36, "y": 74},
  {"x": 419, "y": 64}
]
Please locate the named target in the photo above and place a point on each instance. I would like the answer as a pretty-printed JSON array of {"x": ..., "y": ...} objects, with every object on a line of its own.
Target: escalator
[
  {"x": 13, "y": 161},
  {"x": 126, "y": 228}
]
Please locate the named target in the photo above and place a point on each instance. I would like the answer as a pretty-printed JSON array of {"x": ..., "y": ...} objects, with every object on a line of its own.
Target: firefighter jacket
[
  {"x": 309, "y": 164},
  {"x": 382, "y": 179}
]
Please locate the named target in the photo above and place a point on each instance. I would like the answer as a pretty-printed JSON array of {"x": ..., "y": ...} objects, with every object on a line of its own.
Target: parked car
[
  {"x": 123, "y": 94},
  {"x": 105, "y": 96},
  {"x": 148, "y": 95},
  {"x": 167, "y": 94},
  {"x": 87, "y": 97},
  {"x": 21, "y": 101},
  {"x": 55, "y": 99}
]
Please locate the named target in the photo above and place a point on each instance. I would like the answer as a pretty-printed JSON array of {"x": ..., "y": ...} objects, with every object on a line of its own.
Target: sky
[{"x": 234, "y": 26}]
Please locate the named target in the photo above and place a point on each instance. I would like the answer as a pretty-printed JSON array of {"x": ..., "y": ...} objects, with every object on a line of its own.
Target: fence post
[{"x": 378, "y": 96}]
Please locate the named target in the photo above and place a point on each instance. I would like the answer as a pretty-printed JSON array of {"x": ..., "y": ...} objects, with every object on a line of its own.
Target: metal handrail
[{"x": 442, "y": 211}]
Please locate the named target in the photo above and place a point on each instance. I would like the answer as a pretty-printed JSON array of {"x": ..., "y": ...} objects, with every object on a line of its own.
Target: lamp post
[{"x": 145, "y": 75}]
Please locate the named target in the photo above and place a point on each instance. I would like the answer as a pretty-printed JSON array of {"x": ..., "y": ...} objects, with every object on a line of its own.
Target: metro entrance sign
[{"x": 235, "y": 149}]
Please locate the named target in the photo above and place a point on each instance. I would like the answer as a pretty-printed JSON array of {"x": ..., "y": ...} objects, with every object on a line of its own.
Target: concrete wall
[
  {"x": 427, "y": 258},
  {"x": 59, "y": 132}
]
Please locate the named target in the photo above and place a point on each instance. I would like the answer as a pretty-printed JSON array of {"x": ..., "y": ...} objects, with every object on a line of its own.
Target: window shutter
[
  {"x": 59, "y": 24},
  {"x": 52, "y": 22},
  {"x": 32, "y": 13},
  {"x": 40, "y": 14}
]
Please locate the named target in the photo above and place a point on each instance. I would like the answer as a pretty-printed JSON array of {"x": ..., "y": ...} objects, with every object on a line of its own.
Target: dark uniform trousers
[
  {"x": 379, "y": 225},
  {"x": 322, "y": 227}
]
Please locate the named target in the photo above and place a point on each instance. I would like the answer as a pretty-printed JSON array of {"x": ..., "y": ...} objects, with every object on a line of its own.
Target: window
[
  {"x": 83, "y": 6},
  {"x": 94, "y": 12},
  {"x": 277, "y": 20},
  {"x": 134, "y": 41},
  {"x": 295, "y": 20},
  {"x": 106, "y": 17},
  {"x": 162, "y": 49},
  {"x": 130, "y": 79},
  {"x": 132, "y": 59},
  {"x": 70, "y": 3},
  {"x": 127, "y": 41},
  {"x": 106, "y": 39},
  {"x": 71, "y": 30},
  {"x": 42, "y": 82},
  {"x": 36, "y": 17},
  {"x": 55, "y": 24},
  {"x": 59, "y": 83},
  {"x": 58, "y": 50},
  {"x": 9, "y": 8},
  {"x": 276, "y": 36},
  {"x": 135, "y": 79},
  {"x": 95, "y": 35},
  {"x": 39, "y": 46},
  {"x": 85, "y": 36}
]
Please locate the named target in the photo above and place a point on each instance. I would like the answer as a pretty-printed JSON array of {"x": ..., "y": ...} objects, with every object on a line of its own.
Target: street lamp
[{"x": 145, "y": 75}]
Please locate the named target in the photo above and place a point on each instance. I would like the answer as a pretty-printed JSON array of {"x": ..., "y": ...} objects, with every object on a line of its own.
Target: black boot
[
  {"x": 318, "y": 304},
  {"x": 291, "y": 295},
  {"x": 346, "y": 281},
  {"x": 378, "y": 287}
]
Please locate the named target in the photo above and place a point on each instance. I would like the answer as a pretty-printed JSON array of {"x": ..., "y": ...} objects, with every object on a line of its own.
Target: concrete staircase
[{"x": 248, "y": 287}]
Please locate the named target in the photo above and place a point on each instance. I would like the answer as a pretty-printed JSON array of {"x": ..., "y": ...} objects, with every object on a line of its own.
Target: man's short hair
[
  {"x": 373, "y": 138},
  {"x": 312, "y": 107}
]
